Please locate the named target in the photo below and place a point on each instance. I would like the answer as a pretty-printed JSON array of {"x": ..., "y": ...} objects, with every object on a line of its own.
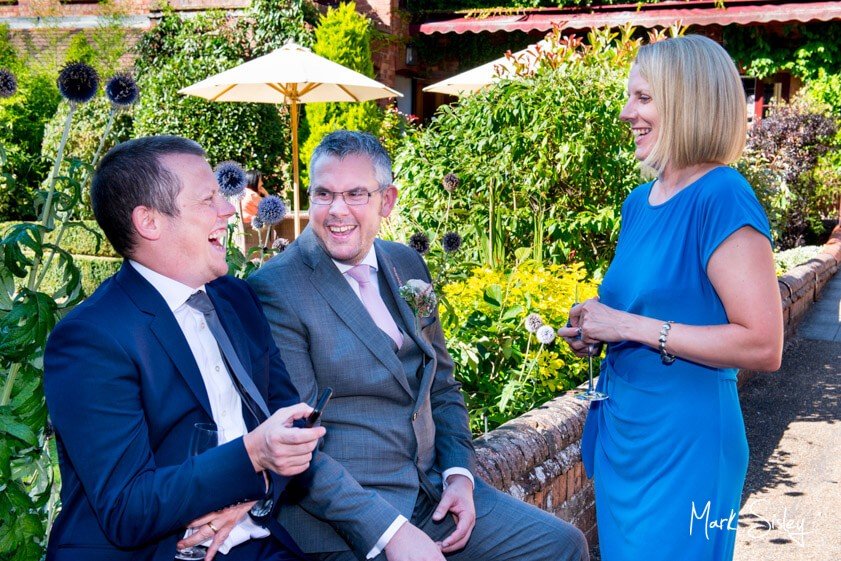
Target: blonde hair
[{"x": 699, "y": 96}]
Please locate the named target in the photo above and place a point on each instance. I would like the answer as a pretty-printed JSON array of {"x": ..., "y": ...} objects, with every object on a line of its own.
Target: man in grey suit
[{"x": 398, "y": 456}]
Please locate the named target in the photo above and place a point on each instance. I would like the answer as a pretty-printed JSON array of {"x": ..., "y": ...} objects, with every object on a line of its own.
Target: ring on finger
[
  {"x": 580, "y": 333},
  {"x": 212, "y": 527}
]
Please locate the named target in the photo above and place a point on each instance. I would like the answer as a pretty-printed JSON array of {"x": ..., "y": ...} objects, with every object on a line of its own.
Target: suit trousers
[{"x": 510, "y": 530}]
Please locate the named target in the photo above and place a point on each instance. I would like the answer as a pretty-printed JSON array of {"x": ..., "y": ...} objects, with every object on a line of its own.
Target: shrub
[
  {"x": 22, "y": 119},
  {"x": 780, "y": 161},
  {"x": 503, "y": 370},
  {"x": 89, "y": 122},
  {"x": 80, "y": 238},
  {"x": 177, "y": 53},
  {"x": 790, "y": 258},
  {"x": 94, "y": 270},
  {"x": 543, "y": 160},
  {"x": 343, "y": 36}
]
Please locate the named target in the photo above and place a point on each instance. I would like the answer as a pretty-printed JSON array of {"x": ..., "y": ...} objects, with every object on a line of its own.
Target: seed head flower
[
  {"x": 533, "y": 323},
  {"x": 451, "y": 182},
  {"x": 8, "y": 83},
  {"x": 419, "y": 242},
  {"x": 231, "y": 179},
  {"x": 451, "y": 242},
  {"x": 256, "y": 223},
  {"x": 78, "y": 82},
  {"x": 271, "y": 210},
  {"x": 122, "y": 90},
  {"x": 545, "y": 334},
  {"x": 280, "y": 244}
]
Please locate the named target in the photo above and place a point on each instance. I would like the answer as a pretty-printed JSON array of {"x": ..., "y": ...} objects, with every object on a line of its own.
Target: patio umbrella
[
  {"x": 477, "y": 78},
  {"x": 292, "y": 75}
]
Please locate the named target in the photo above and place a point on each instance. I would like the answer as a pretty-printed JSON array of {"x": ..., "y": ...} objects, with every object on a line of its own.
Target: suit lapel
[
  {"x": 338, "y": 294},
  {"x": 390, "y": 272},
  {"x": 166, "y": 331}
]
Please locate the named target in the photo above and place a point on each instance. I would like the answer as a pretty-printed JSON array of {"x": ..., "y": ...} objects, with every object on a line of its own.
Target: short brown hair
[{"x": 699, "y": 96}]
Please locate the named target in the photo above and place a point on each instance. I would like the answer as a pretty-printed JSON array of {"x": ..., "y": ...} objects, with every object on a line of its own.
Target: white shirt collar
[
  {"x": 173, "y": 292},
  {"x": 370, "y": 260}
]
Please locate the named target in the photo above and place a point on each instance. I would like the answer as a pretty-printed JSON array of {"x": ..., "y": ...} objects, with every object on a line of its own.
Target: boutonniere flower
[{"x": 420, "y": 296}]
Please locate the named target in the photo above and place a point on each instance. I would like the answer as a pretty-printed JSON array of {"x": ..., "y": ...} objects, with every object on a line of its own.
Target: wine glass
[
  {"x": 593, "y": 349},
  {"x": 591, "y": 394},
  {"x": 204, "y": 437}
]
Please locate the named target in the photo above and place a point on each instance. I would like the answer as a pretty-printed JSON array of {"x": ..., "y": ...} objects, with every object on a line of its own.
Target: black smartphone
[{"x": 313, "y": 417}]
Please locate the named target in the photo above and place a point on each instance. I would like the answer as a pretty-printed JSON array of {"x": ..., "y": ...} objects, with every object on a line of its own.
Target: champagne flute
[{"x": 205, "y": 436}]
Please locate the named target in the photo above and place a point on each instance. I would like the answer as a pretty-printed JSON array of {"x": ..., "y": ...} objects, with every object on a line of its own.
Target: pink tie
[{"x": 374, "y": 303}]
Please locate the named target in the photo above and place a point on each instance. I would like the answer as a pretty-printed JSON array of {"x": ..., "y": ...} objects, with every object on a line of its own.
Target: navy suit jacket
[{"x": 123, "y": 392}]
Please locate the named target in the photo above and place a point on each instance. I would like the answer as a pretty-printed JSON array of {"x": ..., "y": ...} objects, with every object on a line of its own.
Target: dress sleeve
[{"x": 729, "y": 205}]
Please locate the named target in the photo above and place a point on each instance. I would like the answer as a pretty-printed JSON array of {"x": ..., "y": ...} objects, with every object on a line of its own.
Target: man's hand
[
  {"x": 278, "y": 446},
  {"x": 411, "y": 544},
  {"x": 223, "y": 521},
  {"x": 457, "y": 499}
]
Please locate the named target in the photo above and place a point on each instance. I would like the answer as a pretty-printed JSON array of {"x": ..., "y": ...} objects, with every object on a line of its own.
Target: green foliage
[
  {"x": 504, "y": 371},
  {"x": 788, "y": 259},
  {"x": 178, "y": 52},
  {"x": 83, "y": 238},
  {"x": 800, "y": 49},
  {"x": 781, "y": 162},
  {"x": 543, "y": 160},
  {"x": 22, "y": 119},
  {"x": 343, "y": 36},
  {"x": 29, "y": 309},
  {"x": 90, "y": 121},
  {"x": 278, "y": 21},
  {"x": 80, "y": 50},
  {"x": 93, "y": 271}
]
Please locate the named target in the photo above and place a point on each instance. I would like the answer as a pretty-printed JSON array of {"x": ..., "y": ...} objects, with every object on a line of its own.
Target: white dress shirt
[
  {"x": 371, "y": 260},
  {"x": 225, "y": 402}
]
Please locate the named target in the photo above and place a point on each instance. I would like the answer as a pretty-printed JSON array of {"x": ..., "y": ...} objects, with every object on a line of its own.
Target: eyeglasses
[{"x": 354, "y": 197}]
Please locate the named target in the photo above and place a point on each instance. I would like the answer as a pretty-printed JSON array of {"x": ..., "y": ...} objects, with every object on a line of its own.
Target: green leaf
[
  {"x": 24, "y": 330},
  {"x": 11, "y": 426},
  {"x": 514, "y": 312},
  {"x": 18, "y": 237},
  {"x": 507, "y": 394},
  {"x": 493, "y": 295}
]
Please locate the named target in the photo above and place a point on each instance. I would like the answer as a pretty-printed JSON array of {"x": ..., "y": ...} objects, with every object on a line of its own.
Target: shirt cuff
[
  {"x": 386, "y": 537},
  {"x": 457, "y": 471}
]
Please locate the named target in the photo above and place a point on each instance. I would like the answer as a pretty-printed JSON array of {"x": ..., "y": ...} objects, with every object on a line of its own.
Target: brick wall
[{"x": 537, "y": 457}]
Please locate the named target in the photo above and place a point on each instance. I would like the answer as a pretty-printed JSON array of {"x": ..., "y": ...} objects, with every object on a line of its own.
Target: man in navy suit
[{"x": 132, "y": 370}]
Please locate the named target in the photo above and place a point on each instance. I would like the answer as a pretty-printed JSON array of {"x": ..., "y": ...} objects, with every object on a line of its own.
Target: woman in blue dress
[{"x": 690, "y": 297}]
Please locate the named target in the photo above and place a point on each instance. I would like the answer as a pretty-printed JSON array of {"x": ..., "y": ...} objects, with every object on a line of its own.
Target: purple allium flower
[
  {"x": 280, "y": 244},
  {"x": 8, "y": 83},
  {"x": 231, "y": 179},
  {"x": 271, "y": 210},
  {"x": 256, "y": 223},
  {"x": 122, "y": 90},
  {"x": 78, "y": 82},
  {"x": 533, "y": 323},
  {"x": 546, "y": 334},
  {"x": 419, "y": 242},
  {"x": 451, "y": 182},
  {"x": 451, "y": 242}
]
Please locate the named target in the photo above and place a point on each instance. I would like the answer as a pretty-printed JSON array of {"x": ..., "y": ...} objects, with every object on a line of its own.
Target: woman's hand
[
  {"x": 593, "y": 323},
  {"x": 216, "y": 526}
]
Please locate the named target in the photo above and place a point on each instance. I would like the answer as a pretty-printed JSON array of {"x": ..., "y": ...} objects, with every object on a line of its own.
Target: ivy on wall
[{"x": 804, "y": 50}]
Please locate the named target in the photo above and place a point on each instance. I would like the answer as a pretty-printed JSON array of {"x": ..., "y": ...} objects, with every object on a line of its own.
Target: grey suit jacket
[{"x": 366, "y": 470}]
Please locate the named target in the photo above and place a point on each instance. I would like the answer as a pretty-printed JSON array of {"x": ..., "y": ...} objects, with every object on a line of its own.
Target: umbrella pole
[{"x": 296, "y": 197}]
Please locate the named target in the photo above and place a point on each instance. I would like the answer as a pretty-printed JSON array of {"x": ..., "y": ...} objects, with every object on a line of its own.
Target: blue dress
[{"x": 667, "y": 450}]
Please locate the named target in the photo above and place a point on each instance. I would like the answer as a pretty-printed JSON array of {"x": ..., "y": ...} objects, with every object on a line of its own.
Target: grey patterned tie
[{"x": 242, "y": 381}]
